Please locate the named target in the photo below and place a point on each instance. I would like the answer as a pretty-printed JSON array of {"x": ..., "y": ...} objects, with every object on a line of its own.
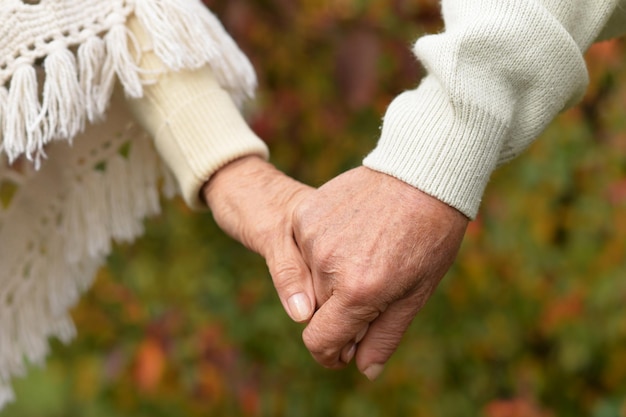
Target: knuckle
[
  {"x": 322, "y": 350},
  {"x": 285, "y": 274},
  {"x": 365, "y": 296},
  {"x": 313, "y": 342},
  {"x": 323, "y": 255}
]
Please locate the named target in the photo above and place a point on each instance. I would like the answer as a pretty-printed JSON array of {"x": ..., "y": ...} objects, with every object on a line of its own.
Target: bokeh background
[{"x": 529, "y": 322}]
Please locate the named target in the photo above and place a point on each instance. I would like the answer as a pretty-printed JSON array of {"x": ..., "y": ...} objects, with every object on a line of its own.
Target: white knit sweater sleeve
[
  {"x": 193, "y": 120},
  {"x": 498, "y": 74}
]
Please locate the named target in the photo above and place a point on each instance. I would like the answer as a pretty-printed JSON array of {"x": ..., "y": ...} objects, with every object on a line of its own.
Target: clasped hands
[{"x": 355, "y": 259}]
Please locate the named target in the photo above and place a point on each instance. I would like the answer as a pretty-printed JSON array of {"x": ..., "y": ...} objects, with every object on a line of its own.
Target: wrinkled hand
[
  {"x": 254, "y": 202},
  {"x": 377, "y": 248}
]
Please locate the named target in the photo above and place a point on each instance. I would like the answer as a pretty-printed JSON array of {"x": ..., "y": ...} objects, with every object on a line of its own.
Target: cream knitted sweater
[
  {"x": 76, "y": 170},
  {"x": 497, "y": 75}
]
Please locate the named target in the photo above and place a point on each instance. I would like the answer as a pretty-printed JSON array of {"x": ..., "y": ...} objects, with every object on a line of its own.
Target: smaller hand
[{"x": 253, "y": 202}]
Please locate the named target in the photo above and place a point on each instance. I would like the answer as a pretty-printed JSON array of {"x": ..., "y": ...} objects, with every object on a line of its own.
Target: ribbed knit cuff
[
  {"x": 446, "y": 151},
  {"x": 196, "y": 127}
]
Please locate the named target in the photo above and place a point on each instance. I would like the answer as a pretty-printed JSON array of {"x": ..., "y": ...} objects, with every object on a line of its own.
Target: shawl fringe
[
  {"x": 101, "y": 206},
  {"x": 77, "y": 84},
  {"x": 52, "y": 96}
]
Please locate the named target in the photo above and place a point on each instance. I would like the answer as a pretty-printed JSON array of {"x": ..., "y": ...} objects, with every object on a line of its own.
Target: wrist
[
  {"x": 229, "y": 177},
  {"x": 415, "y": 197},
  {"x": 251, "y": 201},
  {"x": 445, "y": 151}
]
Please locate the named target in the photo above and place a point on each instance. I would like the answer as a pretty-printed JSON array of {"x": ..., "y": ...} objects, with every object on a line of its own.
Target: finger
[
  {"x": 306, "y": 238},
  {"x": 334, "y": 327},
  {"x": 384, "y": 336},
  {"x": 349, "y": 350},
  {"x": 322, "y": 283},
  {"x": 292, "y": 280}
]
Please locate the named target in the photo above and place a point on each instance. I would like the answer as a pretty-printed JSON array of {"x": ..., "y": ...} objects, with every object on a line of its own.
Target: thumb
[{"x": 292, "y": 280}]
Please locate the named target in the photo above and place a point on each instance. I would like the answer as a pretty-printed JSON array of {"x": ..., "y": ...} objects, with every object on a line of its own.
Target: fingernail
[
  {"x": 349, "y": 355},
  {"x": 361, "y": 334},
  {"x": 374, "y": 371},
  {"x": 299, "y": 307}
]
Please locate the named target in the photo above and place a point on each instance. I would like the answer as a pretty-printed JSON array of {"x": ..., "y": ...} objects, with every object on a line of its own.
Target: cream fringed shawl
[{"x": 73, "y": 175}]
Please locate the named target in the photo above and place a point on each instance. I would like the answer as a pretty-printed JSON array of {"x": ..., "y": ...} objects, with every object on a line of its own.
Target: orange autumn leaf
[
  {"x": 211, "y": 382},
  {"x": 608, "y": 53},
  {"x": 616, "y": 192},
  {"x": 517, "y": 407},
  {"x": 474, "y": 228},
  {"x": 250, "y": 400},
  {"x": 562, "y": 310},
  {"x": 149, "y": 365}
]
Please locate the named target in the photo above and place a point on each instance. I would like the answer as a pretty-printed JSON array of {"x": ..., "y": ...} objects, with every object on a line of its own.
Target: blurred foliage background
[{"x": 529, "y": 322}]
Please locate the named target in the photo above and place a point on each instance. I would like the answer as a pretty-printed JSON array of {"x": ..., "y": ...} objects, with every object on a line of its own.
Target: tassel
[
  {"x": 6, "y": 351},
  {"x": 72, "y": 227},
  {"x": 6, "y": 394},
  {"x": 11, "y": 357},
  {"x": 120, "y": 61},
  {"x": 107, "y": 84},
  {"x": 4, "y": 95},
  {"x": 187, "y": 35},
  {"x": 63, "y": 102},
  {"x": 91, "y": 59},
  {"x": 30, "y": 329},
  {"x": 61, "y": 289},
  {"x": 59, "y": 284},
  {"x": 64, "y": 329},
  {"x": 95, "y": 215},
  {"x": 143, "y": 158},
  {"x": 86, "y": 215},
  {"x": 24, "y": 132},
  {"x": 179, "y": 35},
  {"x": 124, "y": 224}
]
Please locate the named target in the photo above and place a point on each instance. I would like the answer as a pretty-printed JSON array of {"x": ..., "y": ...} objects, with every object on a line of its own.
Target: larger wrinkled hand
[
  {"x": 377, "y": 248},
  {"x": 254, "y": 203}
]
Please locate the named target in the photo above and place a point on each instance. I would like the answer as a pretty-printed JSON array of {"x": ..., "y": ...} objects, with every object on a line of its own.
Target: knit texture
[
  {"x": 75, "y": 176},
  {"x": 195, "y": 124},
  {"x": 497, "y": 76}
]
